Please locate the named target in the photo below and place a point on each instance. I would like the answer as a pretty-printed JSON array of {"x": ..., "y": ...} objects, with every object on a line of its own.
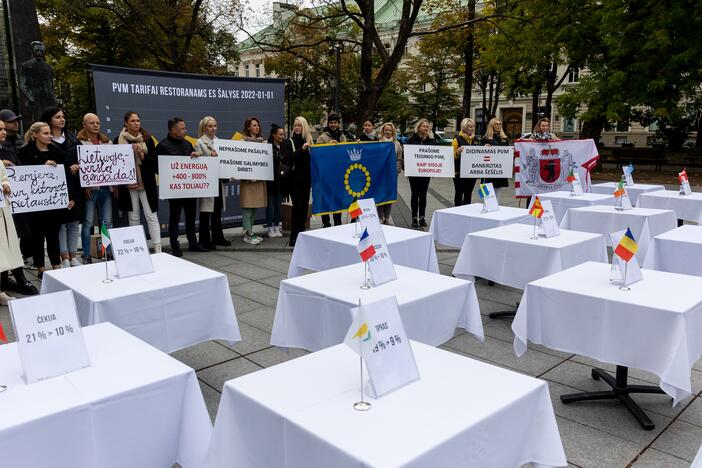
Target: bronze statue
[{"x": 37, "y": 82}]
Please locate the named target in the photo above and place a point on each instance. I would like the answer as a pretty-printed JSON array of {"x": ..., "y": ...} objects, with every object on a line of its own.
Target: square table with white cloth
[
  {"x": 323, "y": 249},
  {"x": 655, "y": 326},
  {"x": 677, "y": 251},
  {"x": 450, "y": 225},
  {"x": 133, "y": 407},
  {"x": 644, "y": 223},
  {"x": 462, "y": 412},
  {"x": 687, "y": 207},
  {"x": 314, "y": 311},
  {"x": 562, "y": 201},
  {"x": 508, "y": 255},
  {"x": 180, "y": 304},
  {"x": 608, "y": 188}
]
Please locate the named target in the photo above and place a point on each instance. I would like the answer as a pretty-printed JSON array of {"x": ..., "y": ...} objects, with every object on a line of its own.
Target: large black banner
[{"x": 158, "y": 96}]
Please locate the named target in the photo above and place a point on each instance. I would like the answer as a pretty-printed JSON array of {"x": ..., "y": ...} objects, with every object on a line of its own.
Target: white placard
[
  {"x": 577, "y": 185},
  {"x": 623, "y": 273},
  {"x": 623, "y": 202},
  {"x": 493, "y": 162},
  {"x": 49, "y": 337},
  {"x": 628, "y": 178},
  {"x": 380, "y": 265},
  {"x": 685, "y": 187},
  {"x": 429, "y": 161},
  {"x": 369, "y": 218},
  {"x": 490, "y": 202},
  {"x": 187, "y": 177},
  {"x": 130, "y": 251},
  {"x": 377, "y": 334},
  {"x": 548, "y": 220},
  {"x": 106, "y": 165},
  {"x": 244, "y": 160},
  {"x": 37, "y": 188}
]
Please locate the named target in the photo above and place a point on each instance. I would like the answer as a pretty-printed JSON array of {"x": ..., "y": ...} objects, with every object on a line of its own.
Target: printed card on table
[
  {"x": 130, "y": 251},
  {"x": 624, "y": 273},
  {"x": 577, "y": 185},
  {"x": 548, "y": 220}
]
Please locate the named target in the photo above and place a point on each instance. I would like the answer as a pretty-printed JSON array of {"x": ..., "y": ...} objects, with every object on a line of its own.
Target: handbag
[{"x": 284, "y": 168}]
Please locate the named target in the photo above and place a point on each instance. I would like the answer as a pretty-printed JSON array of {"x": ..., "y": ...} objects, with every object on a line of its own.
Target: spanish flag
[
  {"x": 571, "y": 176},
  {"x": 627, "y": 246},
  {"x": 355, "y": 210},
  {"x": 620, "y": 189},
  {"x": 537, "y": 210}
]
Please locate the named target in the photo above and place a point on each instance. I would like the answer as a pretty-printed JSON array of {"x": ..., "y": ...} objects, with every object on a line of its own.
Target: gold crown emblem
[{"x": 354, "y": 154}]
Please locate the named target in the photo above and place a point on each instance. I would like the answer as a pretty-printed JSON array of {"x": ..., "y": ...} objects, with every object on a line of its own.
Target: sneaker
[
  {"x": 271, "y": 232},
  {"x": 75, "y": 262},
  {"x": 415, "y": 223},
  {"x": 5, "y": 298},
  {"x": 257, "y": 239},
  {"x": 249, "y": 239},
  {"x": 422, "y": 222},
  {"x": 278, "y": 232},
  {"x": 65, "y": 263},
  {"x": 87, "y": 260}
]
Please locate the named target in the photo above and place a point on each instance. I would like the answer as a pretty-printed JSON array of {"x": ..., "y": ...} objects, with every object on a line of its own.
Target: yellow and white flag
[{"x": 359, "y": 335}]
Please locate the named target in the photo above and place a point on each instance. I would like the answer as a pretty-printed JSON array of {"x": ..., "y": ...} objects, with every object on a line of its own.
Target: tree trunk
[
  {"x": 593, "y": 128},
  {"x": 468, "y": 59},
  {"x": 698, "y": 140},
  {"x": 492, "y": 86},
  {"x": 496, "y": 100},
  {"x": 535, "y": 105}
]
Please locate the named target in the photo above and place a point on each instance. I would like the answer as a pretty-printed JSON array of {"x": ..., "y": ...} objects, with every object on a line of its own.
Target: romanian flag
[
  {"x": 620, "y": 189},
  {"x": 355, "y": 210},
  {"x": 3, "y": 338},
  {"x": 483, "y": 191},
  {"x": 105, "y": 238},
  {"x": 365, "y": 246},
  {"x": 537, "y": 210},
  {"x": 571, "y": 176},
  {"x": 627, "y": 246},
  {"x": 682, "y": 176}
]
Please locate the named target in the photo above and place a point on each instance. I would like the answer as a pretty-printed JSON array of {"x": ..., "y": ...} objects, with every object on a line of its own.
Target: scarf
[{"x": 125, "y": 138}]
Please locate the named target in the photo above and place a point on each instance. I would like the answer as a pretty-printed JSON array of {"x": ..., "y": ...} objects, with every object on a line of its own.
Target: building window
[
  {"x": 246, "y": 70},
  {"x": 480, "y": 125},
  {"x": 574, "y": 75},
  {"x": 620, "y": 140},
  {"x": 424, "y": 87},
  {"x": 258, "y": 70},
  {"x": 236, "y": 72},
  {"x": 568, "y": 125},
  {"x": 653, "y": 127}
]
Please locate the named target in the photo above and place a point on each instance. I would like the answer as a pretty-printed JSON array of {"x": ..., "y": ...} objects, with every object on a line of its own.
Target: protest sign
[
  {"x": 130, "y": 251},
  {"x": 106, "y": 165},
  {"x": 494, "y": 162},
  {"x": 49, "y": 338},
  {"x": 186, "y": 177},
  {"x": 37, "y": 188},
  {"x": 428, "y": 161},
  {"x": 244, "y": 160}
]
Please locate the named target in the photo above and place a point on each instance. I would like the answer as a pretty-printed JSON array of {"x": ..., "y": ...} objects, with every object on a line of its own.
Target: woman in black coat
[
  {"x": 300, "y": 176},
  {"x": 277, "y": 189},
  {"x": 495, "y": 136},
  {"x": 419, "y": 186},
  {"x": 463, "y": 186}
]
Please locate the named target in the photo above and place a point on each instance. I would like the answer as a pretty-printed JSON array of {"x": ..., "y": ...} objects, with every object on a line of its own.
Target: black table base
[{"x": 620, "y": 391}]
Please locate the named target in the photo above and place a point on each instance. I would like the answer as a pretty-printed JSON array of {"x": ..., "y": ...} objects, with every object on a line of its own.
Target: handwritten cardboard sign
[{"x": 106, "y": 165}]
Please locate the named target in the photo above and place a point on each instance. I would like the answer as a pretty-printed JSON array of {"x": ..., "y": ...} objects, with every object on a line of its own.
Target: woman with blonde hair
[
  {"x": 389, "y": 133},
  {"x": 252, "y": 193},
  {"x": 210, "y": 207},
  {"x": 300, "y": 177},
  {"x": 496, "y": 136},
  {"x": 420, "y": 185},
  {"x": 463, "y": 186},
  {"x": 542, "y": 131}
]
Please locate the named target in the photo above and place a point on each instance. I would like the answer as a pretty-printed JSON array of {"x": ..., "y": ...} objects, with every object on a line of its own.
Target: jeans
[
  {"x": 152, "y": 224},
  {"x": 102, "y": 199},
  {"x": 68, "y": 237},
  {"x": 273, "y": 210}
]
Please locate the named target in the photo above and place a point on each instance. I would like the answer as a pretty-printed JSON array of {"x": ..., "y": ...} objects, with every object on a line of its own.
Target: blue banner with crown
[{"x": 343, "y": 172}]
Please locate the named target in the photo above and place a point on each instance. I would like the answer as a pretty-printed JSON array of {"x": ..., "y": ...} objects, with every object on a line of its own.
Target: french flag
[{"x": 365, "y": 246}]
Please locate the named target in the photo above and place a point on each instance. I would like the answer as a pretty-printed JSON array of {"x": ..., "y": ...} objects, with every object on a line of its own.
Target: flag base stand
[
  {"x": 107, "y": 276},
  {"x": 107, "y": 280},
  {"x": 366, "y": 283},
  {"x": 534, "y": 236},
  {"x": 362, "y": 406},
  {"x": 3, "y": 388},
  {"x": 624, "y": 288},
  {"x": 619, "y": 208}
]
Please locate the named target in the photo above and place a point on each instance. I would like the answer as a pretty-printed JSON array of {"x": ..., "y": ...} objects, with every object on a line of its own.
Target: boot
[{"x": 24, "y": 286}]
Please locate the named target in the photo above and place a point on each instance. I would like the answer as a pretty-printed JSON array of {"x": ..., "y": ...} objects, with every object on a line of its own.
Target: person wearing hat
[
  {"x": 14, "y": 140},
  {"x": 331, "y": 134}
]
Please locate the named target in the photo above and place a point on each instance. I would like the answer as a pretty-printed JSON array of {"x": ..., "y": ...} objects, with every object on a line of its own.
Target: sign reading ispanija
[{"x": 544, "y": 166}]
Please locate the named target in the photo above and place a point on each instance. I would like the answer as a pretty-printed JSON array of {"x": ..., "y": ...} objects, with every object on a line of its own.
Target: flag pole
[
  {"x": 365, "y": 284},
  {"x": 624, "y": 287},
  {"x": 534, "y": 236},
  {"x": 102, "y": 245},
  {"x": 107, "y": 277},
  {"x": 361, "y": 405}
]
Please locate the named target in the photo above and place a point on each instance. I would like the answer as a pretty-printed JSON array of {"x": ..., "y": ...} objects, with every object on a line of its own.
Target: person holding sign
[
  {"x": 419, "y": 186},
  {"x": 463, "y": 187},
  {"x": 210, "y": 207},
  {"x": 496, "y": 136},
  {"x": 145, "y": 191},
  {"x": 67, "y": 142},
  {"x": 301, "y": 178},
  {"x": 542, "y": 131},
  {"x": 43, "y": 225},
  {"x": 388, "y": 133},
  {"x": 253, "y": 192},
  {"x": 175, "y": 144},
  {"x": 282, "y": 153},
  {"x": 95, "y": 197}
]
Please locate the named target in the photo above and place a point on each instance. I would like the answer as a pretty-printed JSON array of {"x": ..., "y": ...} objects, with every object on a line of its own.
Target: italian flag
[{"x": 105, "y": 238}]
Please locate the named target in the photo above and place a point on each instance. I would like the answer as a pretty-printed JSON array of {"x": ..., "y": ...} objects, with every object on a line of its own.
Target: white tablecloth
[
  {"x": 180, "y": 304},
  {"x": 461, "y": 413},
  {"x": 450, "y": 225},
  {"x": 687, "y": 207},
  {"x": 314, "y": 311},
  {"x": 697, "y": 462},
  {"x": 562, "y": 201},
  {"x": 133, "y": 407},
  {"x": 607, "y": 188},
  {"x": 323, "y": 249},
  {"x": 507, "y": 255},
  {"x": 657, "y": 326},
  {"x": 644, "y": 223},
  {"x": 677, "y": 251}
]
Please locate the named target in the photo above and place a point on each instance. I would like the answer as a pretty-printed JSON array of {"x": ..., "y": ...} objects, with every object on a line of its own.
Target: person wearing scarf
[{"x": 331, "y": 134}]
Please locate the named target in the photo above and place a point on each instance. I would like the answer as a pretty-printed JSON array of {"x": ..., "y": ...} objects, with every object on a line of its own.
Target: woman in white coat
[
  {"x": 10, "y": 255},
  {"x": 210, "y": 207}
]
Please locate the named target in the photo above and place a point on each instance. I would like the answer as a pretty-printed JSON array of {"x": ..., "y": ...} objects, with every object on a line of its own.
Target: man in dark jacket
[
  {"x": 14, "y": 140},
  {"x": 331, "y": 134},
  {"x": 175, "y": 144}
]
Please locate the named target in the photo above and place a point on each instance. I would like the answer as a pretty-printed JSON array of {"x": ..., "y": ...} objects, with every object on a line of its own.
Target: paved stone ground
[{"x": 595, "y": 434}]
